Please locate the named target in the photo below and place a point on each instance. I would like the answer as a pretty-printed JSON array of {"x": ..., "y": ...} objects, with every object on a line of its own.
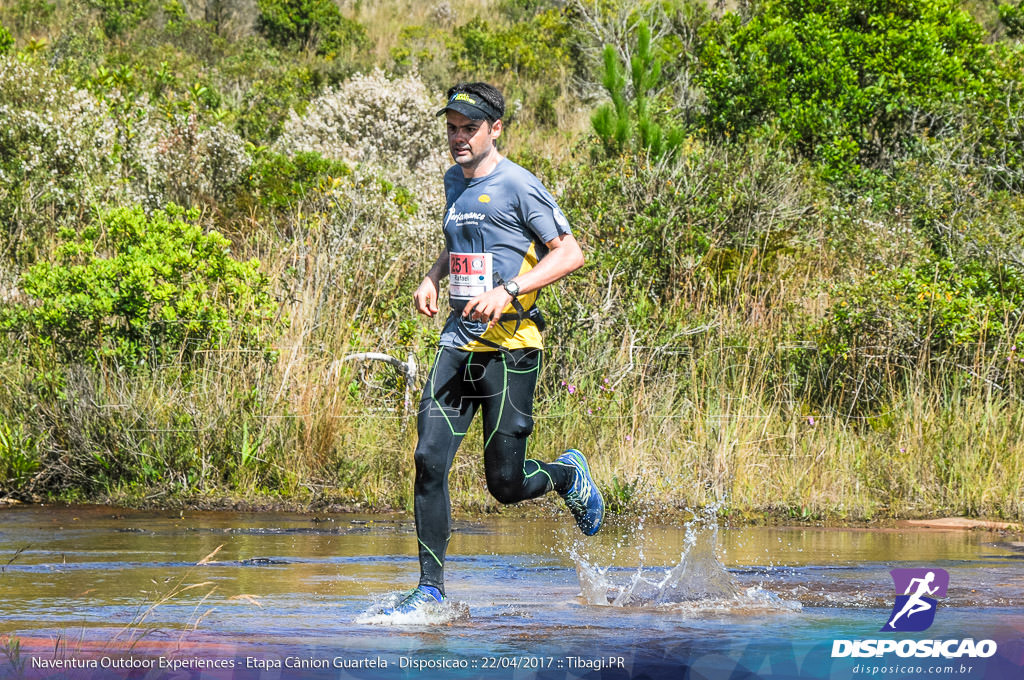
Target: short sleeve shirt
[{"x": 495, "y": 228}]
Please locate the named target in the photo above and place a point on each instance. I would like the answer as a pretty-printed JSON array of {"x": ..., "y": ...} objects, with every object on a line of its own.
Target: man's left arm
[{"x": 564, "y": 256}]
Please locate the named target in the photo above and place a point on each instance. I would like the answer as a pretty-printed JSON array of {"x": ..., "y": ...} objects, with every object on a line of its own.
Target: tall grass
[
  {"x": 717, "y": 429},
  {"x": 679, "y": 416},
  {"x": 671, "y": 414},
  {"x": 692, "y": 381}
]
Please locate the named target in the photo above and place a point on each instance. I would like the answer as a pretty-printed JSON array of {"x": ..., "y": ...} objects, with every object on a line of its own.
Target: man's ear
[{"x": 495, "y": 130}]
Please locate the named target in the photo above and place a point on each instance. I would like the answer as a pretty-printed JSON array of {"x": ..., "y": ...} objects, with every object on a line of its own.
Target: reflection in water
[{"x": 85, "y": 575}]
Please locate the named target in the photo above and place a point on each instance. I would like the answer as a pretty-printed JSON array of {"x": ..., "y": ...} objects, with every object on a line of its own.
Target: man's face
[{"x": 469, "y": 140}]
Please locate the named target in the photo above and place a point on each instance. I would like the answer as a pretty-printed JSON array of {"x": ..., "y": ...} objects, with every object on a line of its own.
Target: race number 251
[{"x": 469, "y": 274}]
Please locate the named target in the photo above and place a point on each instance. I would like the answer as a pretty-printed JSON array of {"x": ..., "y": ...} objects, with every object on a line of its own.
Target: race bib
[{"x": 469, "y": 274}]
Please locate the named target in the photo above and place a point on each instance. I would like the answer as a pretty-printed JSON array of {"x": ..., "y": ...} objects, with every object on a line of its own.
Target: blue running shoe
[
  {"x": 415, "y": 600},
  {"x": 583, "y": 498}
]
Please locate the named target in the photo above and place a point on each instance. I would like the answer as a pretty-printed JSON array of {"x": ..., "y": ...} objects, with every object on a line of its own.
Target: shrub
[
  {"x": 316, "y": 25},
  {"x": 275, "y": 89},
  {"x": 535, "y": 58},
  {"x": 517, "y": 11},
  {"x": 28, "y": 17},
  {"x": 19, "y": 460},
  {"x": 56, "y": 148},
  {"x": 178, "y": 159},
  {"x": 63, "y": 149},
  {"x": 279, "y": 181},
  {"x": 6, "y": 41},
  {"x": 140, "y": 290},
  {"x": 713, "y": 220},
  {"x": 388, "y": 131},
  {"x": 1012, "y": 16},
  {"x": 370, "y": 118},
  {"x": 848, "y": 81},
  {"x": 535, "y": 48},
  {"x": 119, "y": 16},
  {"x": 988, "y": 140},
  {"x": 879, "y": 328},
  {"x": 429, "y": 52}
]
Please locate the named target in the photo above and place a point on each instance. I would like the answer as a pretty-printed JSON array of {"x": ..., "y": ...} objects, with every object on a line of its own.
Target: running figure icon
[{"x": 915, "y": 605}]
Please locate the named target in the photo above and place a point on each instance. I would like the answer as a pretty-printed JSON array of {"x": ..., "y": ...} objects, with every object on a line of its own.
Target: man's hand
[
  {"x": 425, "y": 297},
  {"x": 487, "y": 306}
]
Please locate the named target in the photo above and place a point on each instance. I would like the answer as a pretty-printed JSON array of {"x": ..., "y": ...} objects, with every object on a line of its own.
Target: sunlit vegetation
[{"x": 804, "y": 290}]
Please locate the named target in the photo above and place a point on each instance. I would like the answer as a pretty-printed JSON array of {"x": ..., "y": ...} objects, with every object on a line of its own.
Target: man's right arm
[{"x": 426, "y": 295}]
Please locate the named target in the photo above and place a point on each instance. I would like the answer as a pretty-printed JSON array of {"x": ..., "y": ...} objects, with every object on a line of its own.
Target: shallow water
[{"x": 527, "y": 598}]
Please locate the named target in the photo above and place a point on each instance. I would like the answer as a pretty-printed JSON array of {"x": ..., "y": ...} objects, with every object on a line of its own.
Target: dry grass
[
  {"x": 692, "y": 416},
  {"x": 385, "y": 20},
  {"x": 682, "y": 419}
]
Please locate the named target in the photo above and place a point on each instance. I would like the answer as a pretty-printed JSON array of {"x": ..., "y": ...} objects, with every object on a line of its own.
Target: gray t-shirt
[{"x": 495, "y": 228}]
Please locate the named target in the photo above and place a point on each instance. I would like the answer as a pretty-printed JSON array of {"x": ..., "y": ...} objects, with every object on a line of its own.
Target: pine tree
[{"x": 622, "y": 125}]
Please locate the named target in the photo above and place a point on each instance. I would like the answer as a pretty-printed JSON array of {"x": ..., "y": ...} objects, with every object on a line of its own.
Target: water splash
[
  {"x": 429, "y": 615},
  {"x": 699, "y": 582}
]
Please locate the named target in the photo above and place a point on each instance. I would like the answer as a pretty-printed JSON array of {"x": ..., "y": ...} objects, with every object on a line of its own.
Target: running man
[
  {"x": 505, "y": 239},
  {"x": 914, "y": 603}
]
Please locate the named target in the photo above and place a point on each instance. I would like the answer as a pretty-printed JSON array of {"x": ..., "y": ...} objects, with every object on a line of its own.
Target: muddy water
[{"x": 282, "y": 596}]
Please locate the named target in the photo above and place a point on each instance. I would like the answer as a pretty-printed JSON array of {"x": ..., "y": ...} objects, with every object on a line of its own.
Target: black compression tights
[{"x": 502, "y": 385}]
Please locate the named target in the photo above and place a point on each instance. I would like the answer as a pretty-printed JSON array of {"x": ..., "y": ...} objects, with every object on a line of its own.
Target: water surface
[{"x": 528, "y": 598}]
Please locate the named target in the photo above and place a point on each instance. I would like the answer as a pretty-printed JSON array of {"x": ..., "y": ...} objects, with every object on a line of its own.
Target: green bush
[
  {"x": 539, "y": 47},
  {"x": 713, "y": 218},
  {"x": 517, "y": 11},
  {"x": 427, "y": 51},
  {"x": 1012, "y": 16},
  {"x": 533, "y": 59},
  {"x": 274, "y": 91},
  {"x": 316, "y": 25},
  {"x": 986, "y": 140},
  {"x": 845, "y": 81},
  {"x": 891, "y": 322},
  {"x": 120, "y": 16},
  {"x": 936, "y": 307},
  {"x": 140, "y": 290},
  {"x": 6, "y": 41},
  {"x": 56, "y": 154},
  {"x": 634, "y": 219},
  {"x": 27, "y": 17},
  {"x": 279, "y": 182}
]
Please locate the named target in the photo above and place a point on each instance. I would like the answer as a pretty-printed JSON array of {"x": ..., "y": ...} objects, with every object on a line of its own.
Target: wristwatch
[{"x": 512, "y": 288}]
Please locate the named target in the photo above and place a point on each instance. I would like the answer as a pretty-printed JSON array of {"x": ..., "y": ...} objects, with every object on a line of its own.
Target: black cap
[{"x": 471, "y": 106}]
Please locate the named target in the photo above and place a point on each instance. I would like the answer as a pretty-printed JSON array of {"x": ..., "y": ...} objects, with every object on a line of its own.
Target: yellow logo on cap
[
  {"x": 484, "y": 198},
  {"x": 463, "y": 97}
]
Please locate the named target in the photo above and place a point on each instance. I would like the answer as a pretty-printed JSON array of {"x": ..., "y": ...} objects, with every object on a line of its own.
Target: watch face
[{"x": 512, "y": 288}]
